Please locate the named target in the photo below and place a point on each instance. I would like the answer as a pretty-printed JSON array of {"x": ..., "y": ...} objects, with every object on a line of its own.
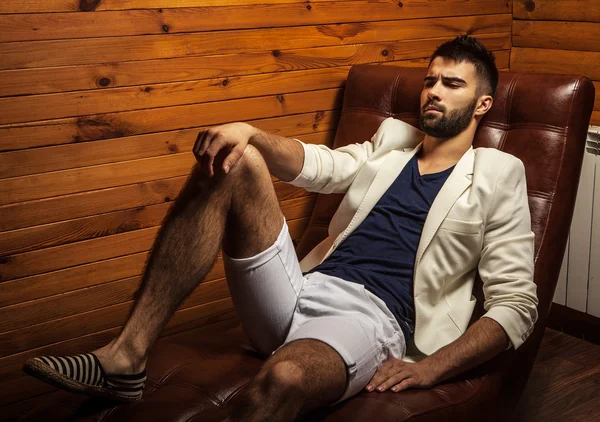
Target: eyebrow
[{"x": 447, "y": 79}]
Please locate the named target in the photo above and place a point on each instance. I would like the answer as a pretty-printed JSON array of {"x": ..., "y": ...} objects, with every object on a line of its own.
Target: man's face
[{"x": 449, "y": 98}]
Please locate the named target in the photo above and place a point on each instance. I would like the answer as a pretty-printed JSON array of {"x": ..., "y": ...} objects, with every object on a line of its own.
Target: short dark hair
[{"x": 469, "y": 49}]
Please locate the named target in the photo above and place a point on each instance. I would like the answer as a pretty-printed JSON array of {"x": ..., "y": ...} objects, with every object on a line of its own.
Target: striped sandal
[{"x": 84, "y": 374}]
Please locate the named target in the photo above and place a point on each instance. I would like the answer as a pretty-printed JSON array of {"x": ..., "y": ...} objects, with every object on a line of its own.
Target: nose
[{"x": 433, "y": 93}]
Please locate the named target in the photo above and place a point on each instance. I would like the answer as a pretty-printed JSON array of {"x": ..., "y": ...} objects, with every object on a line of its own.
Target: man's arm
[
  {"x": 482, "y": 341},
  {"x": 316, "y": 168},
  {"x": 283, "y": 156}
]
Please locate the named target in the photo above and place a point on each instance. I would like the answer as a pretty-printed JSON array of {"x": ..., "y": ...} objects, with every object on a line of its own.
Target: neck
[{"x": 447, "y": 150}]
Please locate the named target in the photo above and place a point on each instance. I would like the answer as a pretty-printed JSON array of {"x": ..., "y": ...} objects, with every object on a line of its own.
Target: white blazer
[{"x": 479, "y": 221}]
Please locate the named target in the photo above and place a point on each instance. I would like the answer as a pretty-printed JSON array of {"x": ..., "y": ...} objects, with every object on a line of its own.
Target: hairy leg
[
  {"x": 303, "y": 375},
  {"x": 239, "y": 209}
]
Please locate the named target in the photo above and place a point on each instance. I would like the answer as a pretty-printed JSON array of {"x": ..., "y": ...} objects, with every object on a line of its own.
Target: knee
[
  {"x": 250, "y": 164},
  {"x": 284, "y": 377},
  {"x": 250, "y": 167}
]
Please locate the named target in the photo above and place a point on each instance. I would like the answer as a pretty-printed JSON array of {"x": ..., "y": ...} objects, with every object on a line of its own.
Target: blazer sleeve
[
  {"x": 506, "y": 266},
  {"x": 328, "y": 170}
]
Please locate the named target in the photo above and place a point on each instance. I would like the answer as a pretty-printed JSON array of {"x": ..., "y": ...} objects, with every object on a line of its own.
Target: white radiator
[{"x": 579, "y": 281}]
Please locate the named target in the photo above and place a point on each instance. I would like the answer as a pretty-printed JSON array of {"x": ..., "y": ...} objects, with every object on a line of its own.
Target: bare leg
[
  {"x": 239, "y": 209},
  {"x": 302, "y": 376}
]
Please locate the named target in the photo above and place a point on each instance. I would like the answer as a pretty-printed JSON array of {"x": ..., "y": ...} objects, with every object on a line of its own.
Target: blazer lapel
[{"x": 459, "y": 180}]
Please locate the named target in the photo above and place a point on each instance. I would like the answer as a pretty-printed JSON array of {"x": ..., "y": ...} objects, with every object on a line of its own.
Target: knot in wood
[
  {"x": 530, "y": 5},
  {"x": 88, "y": 5},
  {"x": 103, "y": 82}
]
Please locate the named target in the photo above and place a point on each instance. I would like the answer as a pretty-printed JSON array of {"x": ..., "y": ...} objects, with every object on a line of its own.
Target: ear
[{"x": 484, "y": 103}]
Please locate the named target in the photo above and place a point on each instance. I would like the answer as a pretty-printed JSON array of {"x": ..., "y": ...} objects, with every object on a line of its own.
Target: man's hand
[
  {"x": 399, "y": 375},
  {"x": 231, "y": 138}
]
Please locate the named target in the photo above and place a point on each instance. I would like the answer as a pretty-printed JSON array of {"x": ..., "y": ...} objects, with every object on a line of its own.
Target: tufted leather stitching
[
  {"x": 473, "y": 393},
  {"x": 188, "y": 385},
  {"x": 174, "y": 370},
  {"x": 539, "y": 194},
  {"x": 550, "y": 205},
  {"x": 395, "y": 88}
]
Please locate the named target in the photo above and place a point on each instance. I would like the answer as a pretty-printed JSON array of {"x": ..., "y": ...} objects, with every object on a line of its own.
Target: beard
[{"x": 446, "y": 125}]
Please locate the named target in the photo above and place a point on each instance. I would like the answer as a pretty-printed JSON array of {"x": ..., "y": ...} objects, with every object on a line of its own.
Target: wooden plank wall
[
  {"x": 558, "y": 37},
  {"x": 100, "y": 104}
]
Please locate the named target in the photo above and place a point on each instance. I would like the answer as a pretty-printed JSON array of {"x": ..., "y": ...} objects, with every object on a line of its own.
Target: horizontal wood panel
[
  {"x": 87, "y": 251},
  {"x": 182, "y": 320},
  {"x": 63, "y": 182},
  {"x": 555, "y": 61},
  {"x": 88, "y": 203},
  {"x": 553, "y": 10},
  {"x": 81, "y": 154},
  {"x": 60, "y": 208},
  {"x": 38, "y": 237},
  {"x": 84, "y": 77},
  {"x": 71, "y": 52},
  {"x": 595, "y": 120},
  {"x": 50, "y": 26},
  {"x": 597, "y": 100},
  {"x": 117, "y": 125},
  {"x": 80, "y": 103},
  {"x": 557, "y": 35},
  {"x": 36, "y": 6},
  {"x": 44, "y": 323},
  {"x": 409, "y": 7},
  {"x": 73, "y": 278}
]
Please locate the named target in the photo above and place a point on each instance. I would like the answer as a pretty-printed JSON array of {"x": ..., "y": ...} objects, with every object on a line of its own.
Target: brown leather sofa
[{"x": 542, "y": 119}]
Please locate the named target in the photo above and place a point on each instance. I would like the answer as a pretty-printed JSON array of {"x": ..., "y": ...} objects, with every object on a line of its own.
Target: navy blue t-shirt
[{"x": 380, "y": 253}]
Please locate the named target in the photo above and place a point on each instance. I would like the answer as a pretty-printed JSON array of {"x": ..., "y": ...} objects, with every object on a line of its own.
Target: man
[{"x": 422, "y": 213}]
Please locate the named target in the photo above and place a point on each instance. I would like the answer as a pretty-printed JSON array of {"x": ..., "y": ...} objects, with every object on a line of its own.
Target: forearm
[
  {"x": 482, "y": 341},
  {"x": 284, "y": 156}
]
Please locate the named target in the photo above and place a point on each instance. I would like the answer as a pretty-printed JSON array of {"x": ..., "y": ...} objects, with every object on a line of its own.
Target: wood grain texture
[
  {"x": 39, "y": 237},
  {"x": 117, "y": 49},
  {"x": 542, "y": 60},
  {"x": 76, "y": 253},
  {"x": 580, "y": 36},
  {"x": 102, "y": 76},
  {"x": 38, "y": 212},
  {"x": 73, "y": 278},
  {"x": 118, "y": 125},
  {"x": 112, "y": 313},
  {"x": 563, "y": 385},
  {"x": 413, "y": 7},
  {"x": 557, "y": 10},
  {"x": 50, "y": 26},
  {"x": 84, "y": 154},
  {"x": 78, "y": 103}
]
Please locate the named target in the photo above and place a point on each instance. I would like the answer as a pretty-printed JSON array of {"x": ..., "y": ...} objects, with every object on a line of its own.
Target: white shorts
[{"x": 276, "y": 305}]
